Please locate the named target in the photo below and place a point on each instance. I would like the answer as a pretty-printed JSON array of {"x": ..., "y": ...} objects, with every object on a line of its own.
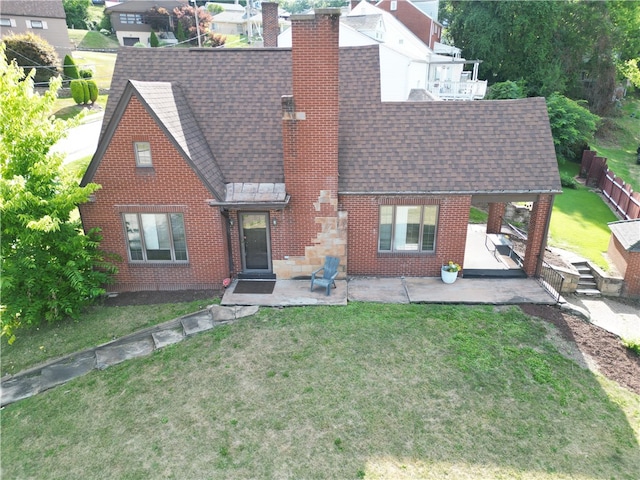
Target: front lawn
[{"x": 361, "y": 391}]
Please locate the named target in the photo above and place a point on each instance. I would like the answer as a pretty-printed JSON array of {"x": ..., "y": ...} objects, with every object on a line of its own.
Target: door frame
[{"x": 243, "y": 252}]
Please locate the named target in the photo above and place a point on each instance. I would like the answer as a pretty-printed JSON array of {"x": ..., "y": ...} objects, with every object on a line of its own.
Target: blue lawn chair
[{"x": 330, "y": 272}]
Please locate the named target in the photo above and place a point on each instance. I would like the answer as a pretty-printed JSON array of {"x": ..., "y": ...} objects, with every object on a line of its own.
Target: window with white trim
[
  {"x": 143, "y": 154},
  {"x": 131, "y": 18},
  {"x": 37, "y": 24},
  {"x": 155, "y": 237},
  {"x": 407, "y": 228},
  {"x": 6, "y": 22}
]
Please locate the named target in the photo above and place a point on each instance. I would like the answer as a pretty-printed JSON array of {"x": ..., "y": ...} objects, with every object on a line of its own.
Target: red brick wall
[
  {"x": 618, "y": 254},
  {"x": 364, "y": 258},
  {"x": 170, "y": 186},
  {"x": 632, "y": 275},
  {"x": 536, "y": 236},
  {"x": 496, "y": 214},
  {"x": 270, "y": 24}
]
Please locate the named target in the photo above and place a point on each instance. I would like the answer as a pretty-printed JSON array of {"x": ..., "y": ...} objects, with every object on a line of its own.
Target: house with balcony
[{"x": 409, "y": 68}]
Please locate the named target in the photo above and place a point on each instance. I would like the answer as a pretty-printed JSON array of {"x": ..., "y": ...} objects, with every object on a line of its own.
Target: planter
[{"x": 448, "y": 277}]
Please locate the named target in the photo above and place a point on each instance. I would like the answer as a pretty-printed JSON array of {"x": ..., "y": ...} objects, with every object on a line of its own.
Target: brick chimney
[
  {"x": 310, "y": 137},
  {"x": 270, "y": 24}
]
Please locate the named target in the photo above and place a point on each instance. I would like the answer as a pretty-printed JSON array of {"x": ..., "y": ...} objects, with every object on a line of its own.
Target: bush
[
  {"x": 568, "y": 181},
  {"x": 92, "y": 86},
  {"x": 633, "y": 345},
  {"x": 78, "y": 91},
  {"x": 70, "y": 68},
  {"x": 139, "y": 45},
  {"x": 505, "y": 90},
  {"x": 153, "y": 40},
  {"x": 105, "y": 24},
  {"x": 29, "y": 50},
  {"x": 86, "y": 73}
]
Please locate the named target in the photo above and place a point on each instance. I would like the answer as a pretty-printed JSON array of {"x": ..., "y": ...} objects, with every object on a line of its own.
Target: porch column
[
  {"x": 496, "y": 213},
  {"x": 537, "y": 234}
]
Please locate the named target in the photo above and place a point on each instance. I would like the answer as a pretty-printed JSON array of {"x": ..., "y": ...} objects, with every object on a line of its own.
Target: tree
[
  {"x": 572, "y": 126},
  {"x": 49, "y": 269},
  {"x": 505, "y": 90},
  {"x": 187, "y": 22},
  {"x": 215, "y": 40},
  {"x": 77, "y": 12},
  {"x": 575, "y": 48},
  {"x": 70, "y": 68},
  {"x": 29, "y": 50}
]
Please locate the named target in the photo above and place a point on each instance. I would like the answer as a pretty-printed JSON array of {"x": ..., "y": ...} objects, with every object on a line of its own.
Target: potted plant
[{"x": 450, "y": 271}]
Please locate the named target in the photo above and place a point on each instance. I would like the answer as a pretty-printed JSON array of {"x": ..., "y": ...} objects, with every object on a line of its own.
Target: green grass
[
  {"x": 78, "y": 167},
  {"x": 92, "y": 39},
  {"x": 101, "y": 63},
  {"x": 361, "y": 391},
  {"x": 618, "y": 139},
  {"x": 66, "y": 108},
  {"x": 477, "y": 216},
  {"x": 97, "y": 325},
  {"x": 579, "y": 222}
]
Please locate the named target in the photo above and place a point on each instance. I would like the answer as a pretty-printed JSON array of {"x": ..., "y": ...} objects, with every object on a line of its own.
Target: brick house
[
  {"x": 259, "y": 162},
  {"x": 425, "y": 27},
  {"x": 624, "y": 251}
]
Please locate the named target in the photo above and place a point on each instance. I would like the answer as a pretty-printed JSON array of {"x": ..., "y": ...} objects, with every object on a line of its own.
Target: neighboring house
[
  {"x": 624, "y": 251},
  {"x": 425, "y": 27},
  {"x": 45, "y": 18},
  {"x": 239, "y": 20},
  {"x": 130, "y": 19},
  {"x": 409, "y": 68},
  {"x": 219, "y": 163}
]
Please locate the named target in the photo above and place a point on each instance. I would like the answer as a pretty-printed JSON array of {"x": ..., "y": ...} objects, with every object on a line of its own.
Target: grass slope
[
  {"x": 92, "y": 39},
  {"x": 361, "y": 391},
  {"x": 618, "y": 140}
]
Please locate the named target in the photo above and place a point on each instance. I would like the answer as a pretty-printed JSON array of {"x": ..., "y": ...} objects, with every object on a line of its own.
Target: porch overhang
[{"x": 253, "y": 196}]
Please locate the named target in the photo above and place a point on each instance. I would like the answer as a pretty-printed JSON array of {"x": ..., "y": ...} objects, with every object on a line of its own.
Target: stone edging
[{"x": 58, "y": 371}]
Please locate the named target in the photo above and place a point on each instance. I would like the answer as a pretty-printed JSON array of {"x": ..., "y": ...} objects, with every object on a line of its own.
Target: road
[{"x": 81, "y": 141}]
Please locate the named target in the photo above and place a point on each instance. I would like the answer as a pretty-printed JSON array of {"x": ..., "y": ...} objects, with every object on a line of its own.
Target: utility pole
[{"x": 195, "y": 5}]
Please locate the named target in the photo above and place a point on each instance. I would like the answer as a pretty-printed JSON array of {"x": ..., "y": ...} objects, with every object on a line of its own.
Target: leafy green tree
[
  {"x": 298, "y": 6},
  {"x": 77, "y": 12},
  {"x": 30, "y": 50},
  {"x": 572, "y": 126},
  {"x": 70, "y": 68},
  {"x": 49, "y": 269},
  {"x": 505, "y": 90},
  {"x": 576, "y": 48}
]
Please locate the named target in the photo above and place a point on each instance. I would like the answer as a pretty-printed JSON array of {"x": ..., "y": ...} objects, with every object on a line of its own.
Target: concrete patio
[{"x": 493, "y": 291}]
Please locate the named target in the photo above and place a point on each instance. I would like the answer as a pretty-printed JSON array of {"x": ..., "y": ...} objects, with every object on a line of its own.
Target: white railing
[{"x": 468, "y": 90}]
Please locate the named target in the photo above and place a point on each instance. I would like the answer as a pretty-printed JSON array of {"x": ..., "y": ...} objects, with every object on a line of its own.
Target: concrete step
[{"x": 593, "y": 292}]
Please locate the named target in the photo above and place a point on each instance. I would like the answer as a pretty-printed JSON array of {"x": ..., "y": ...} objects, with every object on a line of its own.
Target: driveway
[{"x": 81, "y": 141}]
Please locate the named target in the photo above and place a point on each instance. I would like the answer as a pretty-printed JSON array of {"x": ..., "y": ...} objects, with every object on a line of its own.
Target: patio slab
[
  {"x": 375, "y": 289},
  {"x": 491, "y": 291},
  {"x": 289, "y": 293}
]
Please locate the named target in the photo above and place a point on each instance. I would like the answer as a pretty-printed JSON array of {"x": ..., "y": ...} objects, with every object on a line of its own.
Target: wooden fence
[{"x": 596, "y": 172}]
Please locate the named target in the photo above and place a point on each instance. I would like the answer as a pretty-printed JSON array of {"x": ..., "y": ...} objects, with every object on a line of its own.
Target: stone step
[
  {"x": 586, "y": 276},
  {"x": 593, "y": 292}
]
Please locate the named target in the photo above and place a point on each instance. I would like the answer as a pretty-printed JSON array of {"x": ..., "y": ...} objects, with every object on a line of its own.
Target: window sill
[
  {"x": 405, "y": 254},
  {"x": 138, "y": 264}
]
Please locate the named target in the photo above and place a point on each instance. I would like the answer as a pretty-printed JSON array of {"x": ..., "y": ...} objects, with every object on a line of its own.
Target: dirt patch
[
  {"x": 158, "y": 297},
  {"x": 598, "y": 348}
]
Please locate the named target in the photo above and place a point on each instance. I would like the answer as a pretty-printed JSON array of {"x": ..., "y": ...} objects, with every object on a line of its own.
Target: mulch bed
[
  {"x": 612, "y": 359},
  {"x": 604, "y": 349}
]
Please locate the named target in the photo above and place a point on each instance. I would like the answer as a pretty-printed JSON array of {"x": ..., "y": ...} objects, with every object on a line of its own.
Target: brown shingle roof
[
  {"x": 426, "y": 147},
  {"x": 36, "y": 8}
]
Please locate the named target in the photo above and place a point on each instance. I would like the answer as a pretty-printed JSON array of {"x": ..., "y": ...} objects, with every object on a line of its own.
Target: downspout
[{"x": 225, "y": 215}]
